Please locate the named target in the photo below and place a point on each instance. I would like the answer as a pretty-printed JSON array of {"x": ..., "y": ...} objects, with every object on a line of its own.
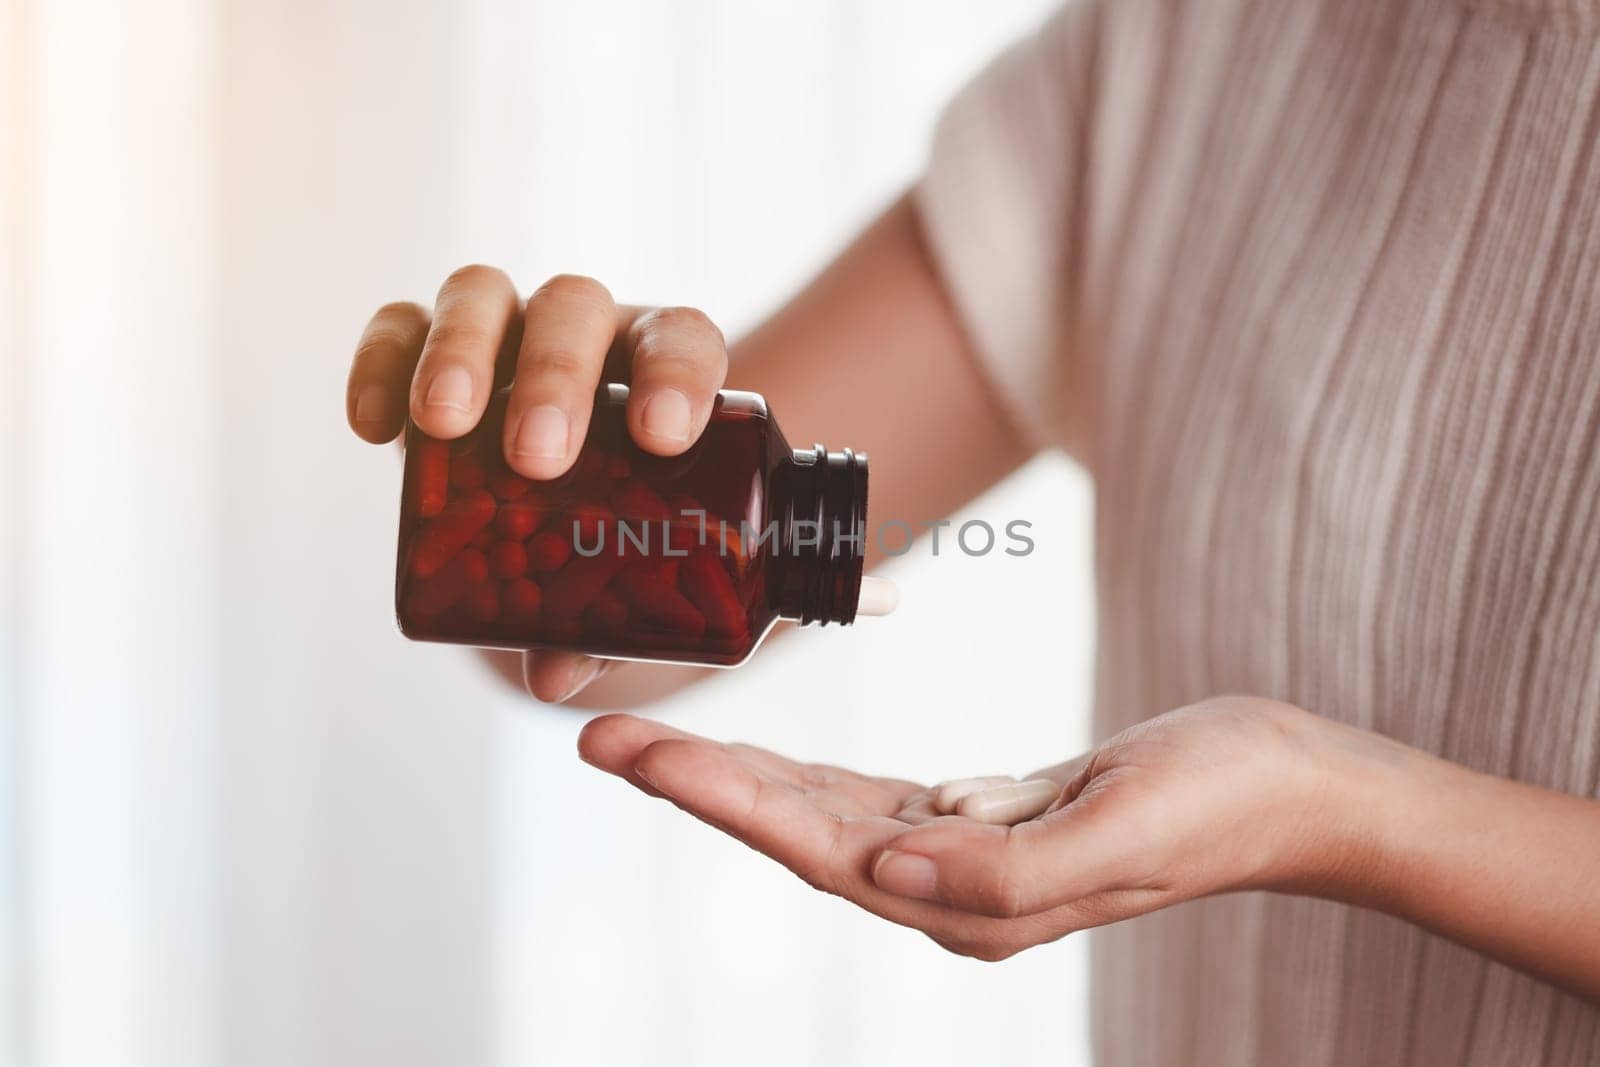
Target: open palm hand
[{"x": 1200, "y": 800}]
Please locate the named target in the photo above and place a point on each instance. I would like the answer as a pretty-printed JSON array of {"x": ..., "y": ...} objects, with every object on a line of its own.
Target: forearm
[{"x": 1502, "y": 867}]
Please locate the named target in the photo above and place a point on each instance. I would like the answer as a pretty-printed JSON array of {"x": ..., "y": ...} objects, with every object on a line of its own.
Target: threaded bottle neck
[{"x": 820, "y": 500}]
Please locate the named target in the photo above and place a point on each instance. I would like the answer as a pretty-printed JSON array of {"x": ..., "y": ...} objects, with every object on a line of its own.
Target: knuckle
[
  {"x": 822, "y": 882},
  {"x": 556, "y": 363},
  {"x": 992, "y": 952},
  {"x": 662, "y": 353},
  {"x": 983, "y": 949},
  {"x": 688, "y": 320},
  {"x": 401, "y": 311},
  {"x": 458, "y": 338},
  {"x": 575, "y": 289},
  {"x": 679, "y": 334},
  {"x": 476, "y": 275},
  {"x": 821, "y": 877},
  {"x": 378, "y": 342},
  {"x": 394, "y": 328},
  {"x": 995, "y": 951},
  {"x": 1002, "y": 894},
  {"x": 826, "y": 873}
]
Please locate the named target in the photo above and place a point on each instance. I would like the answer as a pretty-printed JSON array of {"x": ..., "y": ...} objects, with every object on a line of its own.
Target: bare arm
[
  {"x": 869, "y": 354},
  {"x": 1500, "y": 866},
  {"x": 1234, "y": 793}
]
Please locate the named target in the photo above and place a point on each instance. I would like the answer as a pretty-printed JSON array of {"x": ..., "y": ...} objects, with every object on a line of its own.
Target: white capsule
[
  {"x": 1009, "y": 804},
  {"x": 879, "y": 596},
  {"x": 950, "y": 793}
]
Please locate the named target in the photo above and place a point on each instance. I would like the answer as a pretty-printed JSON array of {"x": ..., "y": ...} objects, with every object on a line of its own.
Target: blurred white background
[{"x": 244, "y": 822}]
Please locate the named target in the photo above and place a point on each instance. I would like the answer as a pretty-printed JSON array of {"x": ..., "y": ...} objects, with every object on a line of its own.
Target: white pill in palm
[
  {"x": 1009, "y": 804},
  {"x": 951, "y": 792}
]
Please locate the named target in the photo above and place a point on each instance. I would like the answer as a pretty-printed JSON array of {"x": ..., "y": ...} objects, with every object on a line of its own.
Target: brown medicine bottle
[{"x": 686, "y": 559}]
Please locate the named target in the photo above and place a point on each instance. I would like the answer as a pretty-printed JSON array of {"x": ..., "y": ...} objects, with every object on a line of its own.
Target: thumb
[{"x": 1008, "y": 871}]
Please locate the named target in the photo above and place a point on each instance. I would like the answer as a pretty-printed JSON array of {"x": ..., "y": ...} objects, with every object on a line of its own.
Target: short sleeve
[{"x": 996, "y": 205}]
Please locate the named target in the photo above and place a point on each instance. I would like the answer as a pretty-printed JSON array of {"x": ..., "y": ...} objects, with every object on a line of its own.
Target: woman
[{"x": 1310, "y": 289}]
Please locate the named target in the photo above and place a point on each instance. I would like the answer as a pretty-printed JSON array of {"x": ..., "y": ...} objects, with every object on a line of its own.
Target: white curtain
[{"x": 243, "y": 822}]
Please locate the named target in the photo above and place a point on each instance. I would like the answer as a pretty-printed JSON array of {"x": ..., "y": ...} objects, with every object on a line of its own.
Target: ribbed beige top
[{"x": 1313, "y": 289}]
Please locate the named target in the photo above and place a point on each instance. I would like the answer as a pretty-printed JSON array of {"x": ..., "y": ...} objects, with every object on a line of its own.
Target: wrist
[{"x": 1366, "y": 798}]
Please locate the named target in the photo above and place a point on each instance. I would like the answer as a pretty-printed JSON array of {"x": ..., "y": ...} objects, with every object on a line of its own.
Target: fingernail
[
  {"x": 584, "y": 675},
  {"x": 543, "y": 433},
  {"x": 372, "y": 403},
  {"x": 451, "y": 388},
  {"x": 905, "y": 874},
  {"x": 666, "y": 415},
  {"x": 649, "y": 781}
]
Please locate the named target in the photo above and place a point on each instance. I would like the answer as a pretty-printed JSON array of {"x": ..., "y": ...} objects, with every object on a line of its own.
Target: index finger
[
  {"x": 725, "y": 791},
  {"x": 615, "y": 743},
  {"x": 381, "y": 371},
  {"x": 475, "y": 309}
]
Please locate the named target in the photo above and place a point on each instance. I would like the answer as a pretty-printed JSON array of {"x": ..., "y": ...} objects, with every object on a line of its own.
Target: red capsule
[
  {"x": 676, "y": 539},
  {"x": 647, "y": 578},
  {"x": 574, "y": 586},
  {"x": 732, "y": 544},
  {"x": 507, "y": 484},
  {"x": 589, "y": 527},
  {"x": 518, "y": 519},
  {"x": 483, "y": 602},
  {"x": 705, "y": 582},
  {"x": 650, "y": 586},
  {"x": 475, "y": 565},
  {"x": 691, "y": 523},
  {"x": 686, "y": 508},
  {"x": 449, "y": 532},
  {"x": 548, "y": 550},
  {"x": 706, "y": 528},
  {"x": 427, "y": 598},
  {"x": 635, "y": 500},
  {"x": 508, "y": 559},
  {"x": 519, "y": 601},
  {"x": 432, "y": 465},
  {"x": 483, "y": 540},
  {"x": 466, "y": 471},
  {"x": 607, "y": 614}
]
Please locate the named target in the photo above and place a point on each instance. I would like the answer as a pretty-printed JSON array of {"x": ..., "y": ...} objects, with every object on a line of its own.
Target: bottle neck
[{"x": 820, "y": 504}]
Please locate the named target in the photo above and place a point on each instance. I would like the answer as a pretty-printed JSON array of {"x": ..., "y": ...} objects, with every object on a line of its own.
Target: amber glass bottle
[{"x": 687, "y": 559}]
